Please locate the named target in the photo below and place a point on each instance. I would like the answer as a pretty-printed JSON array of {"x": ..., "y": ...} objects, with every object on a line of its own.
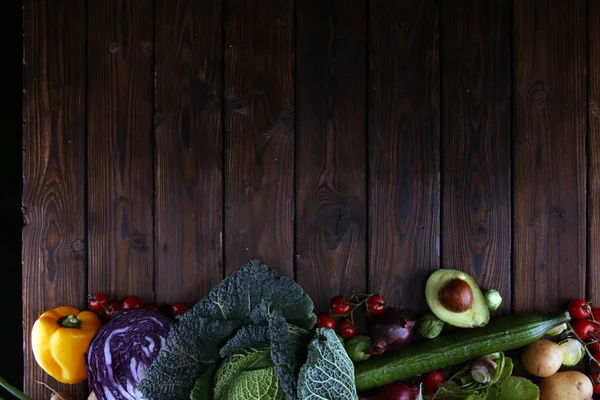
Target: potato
[
  {"x": 572, "y": 385},
  {"x": 542, "y": 358}
]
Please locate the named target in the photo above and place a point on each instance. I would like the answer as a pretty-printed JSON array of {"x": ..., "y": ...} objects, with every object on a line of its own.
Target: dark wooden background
[{"x": 351, "y": 144}]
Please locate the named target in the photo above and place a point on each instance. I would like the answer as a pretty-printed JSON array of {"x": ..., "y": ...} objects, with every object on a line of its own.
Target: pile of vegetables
[{"x": 256, "y": 336}]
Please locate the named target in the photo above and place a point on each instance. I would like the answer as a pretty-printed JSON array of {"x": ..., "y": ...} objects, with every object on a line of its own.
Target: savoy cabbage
[
  {"x": 328, "y": 372},
  {"x": 253, "y": 305}
]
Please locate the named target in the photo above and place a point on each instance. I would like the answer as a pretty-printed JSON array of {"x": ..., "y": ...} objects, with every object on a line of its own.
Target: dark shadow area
[{"x": 11, "y": 353}]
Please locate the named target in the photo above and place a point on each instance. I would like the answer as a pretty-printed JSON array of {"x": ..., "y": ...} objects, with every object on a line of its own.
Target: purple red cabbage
[{"x": 122, "y": 351}]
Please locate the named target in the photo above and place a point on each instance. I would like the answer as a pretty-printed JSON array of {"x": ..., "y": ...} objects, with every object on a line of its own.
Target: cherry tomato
[
  {"x": 583, "y": 328},
  {"x": 151, "y": 307},
  {"x": 340, "y": 306},
  {"x": 596, "y": 314},
  {"x": 431, "y": 380},
  {"x": 579, "y": 309},
  {"x": 178, "y": 308},
  {"x": 347, "y": 328},
  {"x": 98, "y": 301},
  {"x": 325, "y": 321},
  {"x": 376, "y": 304},
  {"x": 112, "y": 307},
  {"x": 131, "y": 303}
]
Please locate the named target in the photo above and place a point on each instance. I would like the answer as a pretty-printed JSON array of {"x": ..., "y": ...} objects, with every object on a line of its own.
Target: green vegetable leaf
[
  {"x": 514, "y": 387},
  {"x": 233, "y": 366},
  {"x": 256, "y": 385},
  {"x": 195, "y": 340},
  {"x": 283, "y": 354},
  {"x": 506, "y": 371},
  {"x": 328, "y": 373},
  {"x": 201, "y": 390}
]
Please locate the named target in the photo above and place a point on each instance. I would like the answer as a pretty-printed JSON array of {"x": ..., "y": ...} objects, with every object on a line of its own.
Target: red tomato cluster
[
  {"x": 586, "y": 325},
  {"x": 344, "y": 307},
  {"x": 100, "y": 302}
]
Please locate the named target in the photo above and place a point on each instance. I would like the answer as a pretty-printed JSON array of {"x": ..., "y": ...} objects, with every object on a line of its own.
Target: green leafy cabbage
[
  {"x": 250, "y": 307},
  {"x": 328, "y": 372}
]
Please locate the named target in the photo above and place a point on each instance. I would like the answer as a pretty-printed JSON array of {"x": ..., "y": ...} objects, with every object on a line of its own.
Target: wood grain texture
[
  {"x": 188, "y": 130},
  {"x": 259, "y": 133},
  {"x": 54, "y": 251},
  {"x": 331, "y": 210},
  {"x": 120, "y": 155},
  {"x": 549, "y": 153},
  {"x": 404, "y": 183},
  {"x": 476, "y": 210},
  {"x": 593, "y": 76}
]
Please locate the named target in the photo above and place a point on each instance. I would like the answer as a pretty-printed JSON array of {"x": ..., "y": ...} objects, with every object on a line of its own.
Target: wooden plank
[
  {"x": 331, "y": 210},
  {"x": 120, "y": 148},
  {"x": 259, "y": 133},
  {"x": 593, "y": 279},
  {"x": 54, "y": 250},
  {"x": 549, "y": 153},
  {"x": 404, "y": 157},
  {"x": 188, "y": 149},
  {"x": 476, "y": 214}
]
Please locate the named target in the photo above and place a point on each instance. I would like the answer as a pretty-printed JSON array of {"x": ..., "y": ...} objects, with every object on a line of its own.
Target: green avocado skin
[{"x": 477, "y": 316}]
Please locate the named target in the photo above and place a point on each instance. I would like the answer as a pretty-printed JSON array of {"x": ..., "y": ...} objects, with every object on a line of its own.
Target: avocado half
[{"x": 477, "y": 316}]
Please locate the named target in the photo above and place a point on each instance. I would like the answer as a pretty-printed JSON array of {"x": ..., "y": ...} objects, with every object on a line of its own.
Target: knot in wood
[
  {"x": 538, "y": 96},
  {"x": 77, "y": 245}
]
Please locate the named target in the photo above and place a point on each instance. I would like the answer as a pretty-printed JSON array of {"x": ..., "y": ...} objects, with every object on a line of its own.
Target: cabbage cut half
[{"x": 122, "y": 351}]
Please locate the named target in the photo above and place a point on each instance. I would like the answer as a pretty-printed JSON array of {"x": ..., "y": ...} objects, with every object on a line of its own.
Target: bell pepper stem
[
  {"x": 13, "y": 390},
  {"x": 69, "y": 321}
]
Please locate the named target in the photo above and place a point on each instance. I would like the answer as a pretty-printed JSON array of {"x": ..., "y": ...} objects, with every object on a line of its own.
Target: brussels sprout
[
  {"x": 356, "y": 346},
  {"x": 493, "y": 299},
  {"x": 430, "y": 326}
]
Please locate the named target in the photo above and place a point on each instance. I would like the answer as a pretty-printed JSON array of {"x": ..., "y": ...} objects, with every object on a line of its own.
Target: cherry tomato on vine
[
  {"x": 131, "y": 303},
  {"x": 593, "y": 345},
  {"x": 583, "y": 328},
  {"x": 98, "y": 301},
  {"x": 431, "y": 380},
  {"x": 579, "y": 309},
  {"x": 596, "y": 314},
  {"x": 347, "y": 328},
  {"x": 376, "y": 304},
  {"x": 178, "y": 308},
  {"x": 325, "y": 321},
  {"x": 111, "y": 308},
  {"x": 151, "y": 307},
  {"x": 340, "y": 306}
]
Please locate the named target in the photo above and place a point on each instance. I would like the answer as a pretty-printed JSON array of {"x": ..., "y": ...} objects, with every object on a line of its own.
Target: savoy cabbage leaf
[
  {"x": 283, "y": 343},
  {"x": 328, "y": 372},
  {"x": 256, "y": 385},
  {"x": 194, "y": 342},
  {"x": 254, "y": 359}
]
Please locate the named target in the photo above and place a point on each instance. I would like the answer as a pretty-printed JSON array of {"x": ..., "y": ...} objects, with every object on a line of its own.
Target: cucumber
[{"x": 502, "y": 333}]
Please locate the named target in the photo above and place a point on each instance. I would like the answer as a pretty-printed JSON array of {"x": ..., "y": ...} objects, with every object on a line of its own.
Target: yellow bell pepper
[{"x": 60, "y": 339}]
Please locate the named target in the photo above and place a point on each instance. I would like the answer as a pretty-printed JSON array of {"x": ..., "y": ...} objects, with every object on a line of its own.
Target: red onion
[
  {"x": 396, "y": 391},
  {"x": 392, "y": 329}
]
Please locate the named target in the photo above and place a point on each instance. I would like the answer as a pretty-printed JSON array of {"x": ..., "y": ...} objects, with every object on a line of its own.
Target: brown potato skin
[
  {"x": 542, "y": 358},
  {"x": 572, "y": 385}
]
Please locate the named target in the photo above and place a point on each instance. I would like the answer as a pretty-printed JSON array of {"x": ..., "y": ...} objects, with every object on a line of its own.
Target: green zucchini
[{"x": 502, "y": 333}]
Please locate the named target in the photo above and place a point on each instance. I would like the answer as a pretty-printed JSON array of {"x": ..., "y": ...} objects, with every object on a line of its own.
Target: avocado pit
[{"x": 456, "y": 296}]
